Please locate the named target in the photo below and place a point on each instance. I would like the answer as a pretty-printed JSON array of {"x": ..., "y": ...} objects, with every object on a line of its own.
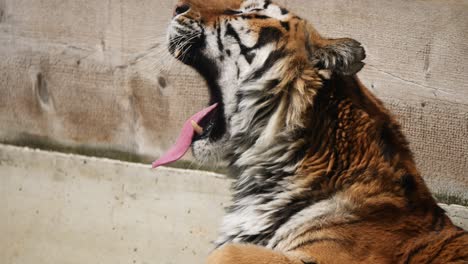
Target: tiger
[{"x": 322, "y": 171}]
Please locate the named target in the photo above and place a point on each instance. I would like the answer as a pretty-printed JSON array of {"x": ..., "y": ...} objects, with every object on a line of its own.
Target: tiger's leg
[{"x": 251, "y": 254}]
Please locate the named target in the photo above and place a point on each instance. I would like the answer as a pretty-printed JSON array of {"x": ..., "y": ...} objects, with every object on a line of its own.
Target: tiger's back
[{"x": 379, "y": 210}]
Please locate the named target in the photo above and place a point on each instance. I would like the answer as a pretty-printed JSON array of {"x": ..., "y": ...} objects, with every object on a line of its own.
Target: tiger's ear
[{"x": 342, "y": 56}]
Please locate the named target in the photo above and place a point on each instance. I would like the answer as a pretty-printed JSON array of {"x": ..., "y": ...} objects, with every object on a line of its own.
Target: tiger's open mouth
[
  {"x": 205, "y": 127},
  {"x": 208, "y": 124}
]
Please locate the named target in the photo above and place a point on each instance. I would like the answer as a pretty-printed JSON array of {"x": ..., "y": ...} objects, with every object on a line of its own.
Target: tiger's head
[{"x": 263, "y": 66}]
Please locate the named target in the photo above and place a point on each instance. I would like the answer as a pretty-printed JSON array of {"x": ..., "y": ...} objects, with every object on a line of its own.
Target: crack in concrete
[{"x": 434, "y": 89}]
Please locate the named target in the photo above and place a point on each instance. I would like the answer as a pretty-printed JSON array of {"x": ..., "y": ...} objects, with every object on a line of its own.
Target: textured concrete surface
[
  {"x": 458, "y": 214},
  {"x": 96, "y": 74},
  {"x": 70, "y": 209},
  {"x": 66, "y": 209}
]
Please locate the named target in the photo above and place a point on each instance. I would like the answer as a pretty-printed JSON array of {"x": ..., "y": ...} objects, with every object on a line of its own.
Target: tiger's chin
[{"x": 206, "y": 151}]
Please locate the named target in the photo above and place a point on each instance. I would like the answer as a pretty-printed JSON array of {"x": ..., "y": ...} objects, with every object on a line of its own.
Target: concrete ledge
[
  {"x": 60, "y": 208},
  {"x": 458, "y": 214}
]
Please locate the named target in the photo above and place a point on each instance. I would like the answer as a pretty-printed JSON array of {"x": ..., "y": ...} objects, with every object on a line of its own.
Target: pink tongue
[{"x": 185, "y": 139}]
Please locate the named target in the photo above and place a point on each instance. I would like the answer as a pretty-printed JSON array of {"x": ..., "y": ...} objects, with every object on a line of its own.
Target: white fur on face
[
  {"x": 272, "y": 10},
  {"x": 235, "y": 68}
]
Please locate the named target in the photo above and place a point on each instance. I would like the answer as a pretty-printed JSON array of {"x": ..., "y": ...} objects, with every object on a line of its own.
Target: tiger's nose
[{"x": 181, "y": 8}]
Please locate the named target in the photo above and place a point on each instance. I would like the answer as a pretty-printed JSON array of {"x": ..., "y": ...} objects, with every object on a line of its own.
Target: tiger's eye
[{"x": 231, "y": 12}]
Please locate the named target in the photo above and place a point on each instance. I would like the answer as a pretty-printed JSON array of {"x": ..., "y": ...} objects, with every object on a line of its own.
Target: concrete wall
[
  {"x": 69, "y": 209},
  {"x": 94, "y": 76}
]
